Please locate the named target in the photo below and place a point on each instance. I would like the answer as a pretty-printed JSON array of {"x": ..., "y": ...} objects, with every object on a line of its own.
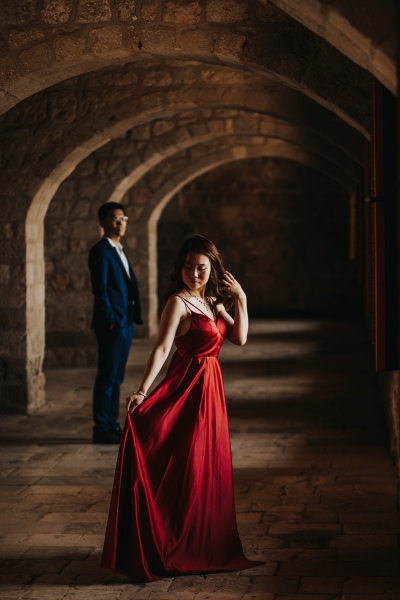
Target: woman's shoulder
[{"x": 175, "y": 300}]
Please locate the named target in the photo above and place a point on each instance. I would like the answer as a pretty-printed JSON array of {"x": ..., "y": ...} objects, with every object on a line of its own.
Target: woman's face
[{"x": 196, "y": 271}]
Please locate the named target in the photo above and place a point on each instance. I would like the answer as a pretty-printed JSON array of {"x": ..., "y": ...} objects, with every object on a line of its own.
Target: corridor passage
[{"x": 316, "y": 491}]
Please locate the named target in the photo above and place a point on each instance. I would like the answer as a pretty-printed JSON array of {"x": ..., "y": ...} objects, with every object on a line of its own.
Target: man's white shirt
[{"x": 121, "y": 255}]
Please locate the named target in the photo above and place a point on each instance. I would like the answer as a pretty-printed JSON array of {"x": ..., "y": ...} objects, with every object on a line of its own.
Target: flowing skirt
[{"x": 172, "y": 508}]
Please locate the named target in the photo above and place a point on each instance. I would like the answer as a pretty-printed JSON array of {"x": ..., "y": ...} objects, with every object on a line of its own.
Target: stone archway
[
  {"x": 79, "y": 125},
  {"x": 169, "y": 146},
  {"x": 366, "y": 32},
  {"x": 99, "y": 139},
  {"x": 94, "y": 35},
  {"x": 195, "y": 169}
]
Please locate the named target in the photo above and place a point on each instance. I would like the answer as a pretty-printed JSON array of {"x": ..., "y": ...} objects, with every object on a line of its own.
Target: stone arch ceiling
[
  {"x": 146, "y": 200},
  {"x": 56, "y": 129},
  {"x": 122, "y": 162},
  {"x": 46, "y": 42},
  {"x": 365, "y": 31},
  {"x": 78, "y": 75}
]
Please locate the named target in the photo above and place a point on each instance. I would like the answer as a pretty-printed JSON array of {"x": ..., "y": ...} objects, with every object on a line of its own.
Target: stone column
[
  {"x": 35, "y": 313},
  {"x": 21, "y": 317}
]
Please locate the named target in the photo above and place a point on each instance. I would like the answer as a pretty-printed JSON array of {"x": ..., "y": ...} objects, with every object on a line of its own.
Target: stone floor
[{"x": 316, "y": 492}]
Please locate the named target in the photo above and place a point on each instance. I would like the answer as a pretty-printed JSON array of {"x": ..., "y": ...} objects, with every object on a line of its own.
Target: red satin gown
[{"x": 172, "y": 507}]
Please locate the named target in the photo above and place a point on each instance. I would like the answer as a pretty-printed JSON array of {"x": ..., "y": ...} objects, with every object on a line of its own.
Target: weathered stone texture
[
  {"x": 158, "y": 39},
  {"x": 56, "y": 11},
  {"x": 276, "y": 237},
  {"x": 37, "y": 57},
  {"x": 105, "y": 39},
  {"x": 4, "y": 274},
  {"x": 149, "y": 9},
  {"x": 18, "y": 37},
  {"x": 229, "y": 45},
  {"x": 17, "y": 12},
  {"x": 196, "y": 40},
  {"x": 64, "y": 107},
  {"x": 92, "y": 11},
  {"x": 157, "y": 78},
  {"x": 69, "y": 47},
  {"x": 226, "y": 11},
  {"x": 181, "y": 11},
  {"x": 44, "y": 131},
  {"x": 126, "y": 10}
]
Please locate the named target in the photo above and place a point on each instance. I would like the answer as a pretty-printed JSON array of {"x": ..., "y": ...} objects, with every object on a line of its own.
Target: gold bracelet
[{"x": 140, "y": 394}]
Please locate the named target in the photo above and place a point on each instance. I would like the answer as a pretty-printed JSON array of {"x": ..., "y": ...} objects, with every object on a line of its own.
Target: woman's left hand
[
  {"x": 232, "y": 286},
  {"x": 133, "y": 401}
]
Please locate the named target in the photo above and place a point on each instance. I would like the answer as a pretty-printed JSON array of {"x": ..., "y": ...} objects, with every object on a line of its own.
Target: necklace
[{"x": 207, "y": 306}]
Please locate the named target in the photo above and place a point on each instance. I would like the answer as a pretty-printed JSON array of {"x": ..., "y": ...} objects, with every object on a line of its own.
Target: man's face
[{"x": 114, "y": 224}]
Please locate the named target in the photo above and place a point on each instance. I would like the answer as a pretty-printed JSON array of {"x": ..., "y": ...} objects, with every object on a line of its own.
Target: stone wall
[
  {"x": 282, "y": 229},
  {"x": 77, "y": 76},
  {"x": 43, "y": 42}
]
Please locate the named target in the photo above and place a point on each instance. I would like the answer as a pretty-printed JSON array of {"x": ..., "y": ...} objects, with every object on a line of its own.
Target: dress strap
[{"x": 197, "y": 309}]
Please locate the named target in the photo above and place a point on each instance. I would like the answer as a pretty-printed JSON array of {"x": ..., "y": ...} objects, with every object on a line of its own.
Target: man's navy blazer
[{"x": 116, "y": 297}]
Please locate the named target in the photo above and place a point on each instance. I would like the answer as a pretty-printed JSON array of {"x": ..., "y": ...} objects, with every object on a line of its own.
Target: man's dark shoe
[
  {"x": 117, "y": 429},
  {"x": 106, "y": 437}
]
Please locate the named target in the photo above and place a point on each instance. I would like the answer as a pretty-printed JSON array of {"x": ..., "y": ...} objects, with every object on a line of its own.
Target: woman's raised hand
[{"x": 232, "y": 286}]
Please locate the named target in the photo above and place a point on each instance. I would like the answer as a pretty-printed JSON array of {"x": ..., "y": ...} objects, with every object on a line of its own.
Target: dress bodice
[{"x": 204, "y": 337}]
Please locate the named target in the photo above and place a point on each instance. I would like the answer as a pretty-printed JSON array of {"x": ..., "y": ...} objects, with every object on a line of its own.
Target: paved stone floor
[{"x": 316, "y": 492}]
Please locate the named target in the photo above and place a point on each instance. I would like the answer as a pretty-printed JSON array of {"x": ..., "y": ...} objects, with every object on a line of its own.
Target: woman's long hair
[{"x": 201, "y": 245}]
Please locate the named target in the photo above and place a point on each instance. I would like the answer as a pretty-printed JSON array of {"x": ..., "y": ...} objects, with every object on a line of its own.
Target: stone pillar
[
  {"x": 21, "y": 318},
  {"x": 35, "y": 313}
]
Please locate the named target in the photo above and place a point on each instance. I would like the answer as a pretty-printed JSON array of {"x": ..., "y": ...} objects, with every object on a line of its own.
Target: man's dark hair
[{"x": 106, "y": 208}]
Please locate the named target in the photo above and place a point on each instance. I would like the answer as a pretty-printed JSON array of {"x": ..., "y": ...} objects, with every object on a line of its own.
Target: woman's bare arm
[
  {"x": 173, "y": 313},
  {"x": 238, "y": 327}
]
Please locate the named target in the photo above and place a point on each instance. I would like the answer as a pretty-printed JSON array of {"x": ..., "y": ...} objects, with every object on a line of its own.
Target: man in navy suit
[{"x": 116, "y": 309}]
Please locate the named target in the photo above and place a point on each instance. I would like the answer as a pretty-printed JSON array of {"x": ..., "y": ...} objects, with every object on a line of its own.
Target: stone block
[
  {"x": 105, "y": 39},
  {"x": 89, "y": 102},
  {"x": 149, "y": 9},
  {"x": 126, "y": 10},
  {"x": 17, "y": 12},
  {"x": 181, "y": 11},
  {"x": 158, "y": 38},
  {"x": 153, "y": 100},
  {"x": 68, "y": 47},
  {"x": 56, "y": 11},
  {"x": 230, "y": 45},
  {"x": 196, "y": 40},
  {"x": 122, "y": 78},
  {"x": 93, "y": 11},
  {"x": 226, "y": 11},
  {"x": 64, "y": 107},
  {"x": 157, "y": 78},
  {"x": 37, "y": 57},
  {"x": 10, "y": 71},
  {"x": 4, "y": 274},
  {"x": 18, "y": 37}
]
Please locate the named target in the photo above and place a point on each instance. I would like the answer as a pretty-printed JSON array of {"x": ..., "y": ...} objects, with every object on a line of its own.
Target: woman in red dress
[{"x": 172, "y": 509}]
